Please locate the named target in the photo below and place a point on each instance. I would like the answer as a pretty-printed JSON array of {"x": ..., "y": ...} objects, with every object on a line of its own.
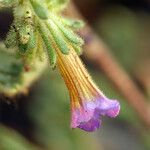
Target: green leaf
[
  {"x": 50, "y": 50},
  {"x": 7, "y": 3},
  {"x": 78, "y": 49},
  {"x": 11, "y": 39},
  {"x": 12, "y": 140},
  {"x": 22, "y": 48},
  {"x": 56, "y": 5},
  {"x": 39, "y": 9},
  {"x": 24, "y": 33},
  {"x": 32, "y": 41},
  {"x": 27, "y": 40},
  {"x": 61, "y": 43},
  {"x": 10, "y": 68},
  {"x": 68, "y": 33},
  {"x": 74, "y": 24}
]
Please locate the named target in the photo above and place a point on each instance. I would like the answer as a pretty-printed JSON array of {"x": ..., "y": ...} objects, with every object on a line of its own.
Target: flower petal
[
  {"x": 108, "y": 107},
  {"x": 91, "y": 125},
  {"x": 88, "y": 103},
  {"x": 88, "y": 117}
]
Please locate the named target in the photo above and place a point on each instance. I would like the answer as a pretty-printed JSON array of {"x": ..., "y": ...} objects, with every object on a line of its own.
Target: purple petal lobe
[
  {"x": 91, "y": 125},
  {"x": 88, "y": 117},
  {"x": 109, "y": 107}
]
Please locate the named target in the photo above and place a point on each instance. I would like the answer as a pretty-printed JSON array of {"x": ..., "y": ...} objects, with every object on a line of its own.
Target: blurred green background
[{"x": 41, "y": 119}]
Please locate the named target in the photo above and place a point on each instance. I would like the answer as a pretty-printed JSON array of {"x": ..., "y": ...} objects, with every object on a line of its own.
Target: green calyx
[{"x": 38, "y": 30}]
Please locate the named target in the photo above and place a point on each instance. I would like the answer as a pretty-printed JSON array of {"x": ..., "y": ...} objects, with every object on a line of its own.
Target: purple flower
[
  {"x": 88, "y": 103},
  {"x": 88, "y": 117}
]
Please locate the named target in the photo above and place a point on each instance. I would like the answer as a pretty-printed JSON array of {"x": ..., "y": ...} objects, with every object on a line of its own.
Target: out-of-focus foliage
[
  {"x": 14, "y": 79},
  {"x": 127, "y": 34},
  {"x": 120, "y": 28},
  {"x": 11, "y": 140},
  {"x": 10, "y": 69}
]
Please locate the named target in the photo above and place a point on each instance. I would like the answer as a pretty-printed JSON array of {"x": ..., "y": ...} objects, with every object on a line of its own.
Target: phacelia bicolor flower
[
  {"x": 88, "y": 103},
  {"x": 38, "y": 30}
]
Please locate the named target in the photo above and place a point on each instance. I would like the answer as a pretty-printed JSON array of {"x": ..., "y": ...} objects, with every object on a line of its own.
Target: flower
[{"x": 88, "y": 103}]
